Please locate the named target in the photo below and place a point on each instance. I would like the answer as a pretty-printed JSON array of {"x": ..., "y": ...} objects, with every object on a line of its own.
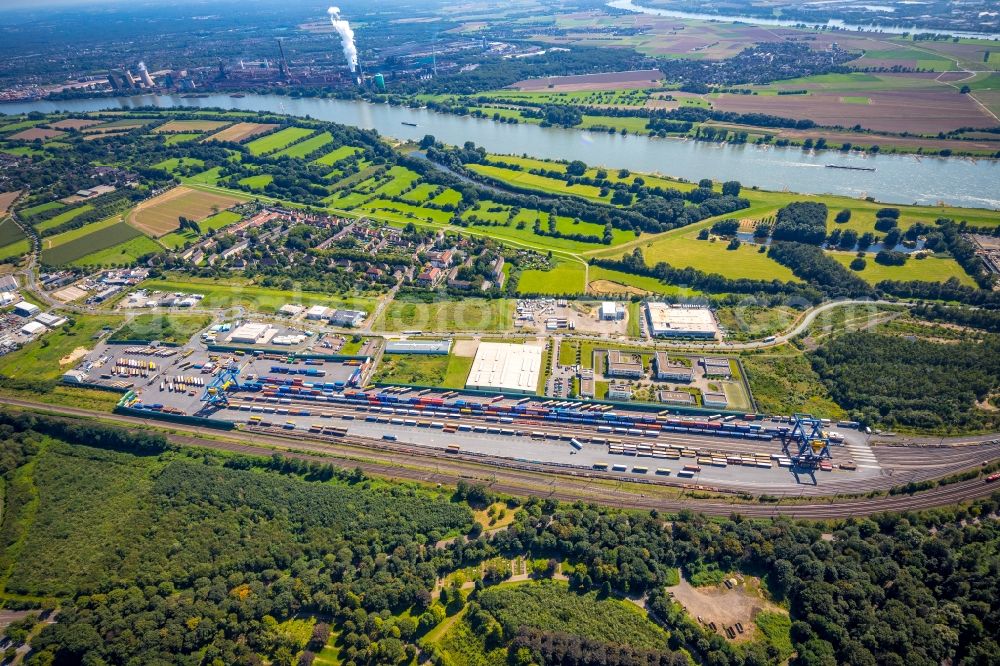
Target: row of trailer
[
  {"x": 181, "y": 383},
  {"x": 161, "y": 352},
  {"x": 130, "y": 367},
  {"x": 703, "y": 457},
  {"x": 600, "y": 417}
]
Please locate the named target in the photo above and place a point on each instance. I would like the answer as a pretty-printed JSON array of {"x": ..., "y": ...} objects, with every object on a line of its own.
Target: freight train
[{"x": 283, "y": 390}]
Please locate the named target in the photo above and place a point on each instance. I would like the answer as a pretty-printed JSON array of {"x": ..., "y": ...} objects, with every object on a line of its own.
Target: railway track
[{"x": 417, "y": 464}]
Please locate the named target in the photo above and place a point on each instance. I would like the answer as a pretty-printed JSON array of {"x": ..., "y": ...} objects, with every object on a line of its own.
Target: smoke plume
[{"x": 343, "y": 29}]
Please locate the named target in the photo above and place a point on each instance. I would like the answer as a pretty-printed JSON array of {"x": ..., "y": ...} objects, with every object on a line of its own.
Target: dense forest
[
  {"x": 910, "y": 382},
  {"x": 236, "y": 550}
]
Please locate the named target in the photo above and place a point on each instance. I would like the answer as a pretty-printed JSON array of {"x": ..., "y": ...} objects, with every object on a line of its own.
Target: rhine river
[{"x": 897, "y": 178}]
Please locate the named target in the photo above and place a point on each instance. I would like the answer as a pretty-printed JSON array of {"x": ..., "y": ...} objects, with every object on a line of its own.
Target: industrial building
[
  {"x": 347, "y": 318},
  {"x": 32, "y": 328},
  {"x": 50, "y": 320},
  {"x": 666, "y": 321},
  {"x": 611, "y": 311},
  {"x": 676, "y": 398},
  {"x": 619, "y": 391},
  {"x": 713, "y": 399},
  {"x": 623, "y": 364},
  {"x": 428, "y": 347},
  {"x": 317, "y": 312},
  {"x": 290, "y": 310},
  {"x": 671, "y": 371},
  {"x": 26, "y": 309},
  {"x": 717, "y": 367},
  {"x": 253, "y": 334},
  {"x": 505, "y": 367}
]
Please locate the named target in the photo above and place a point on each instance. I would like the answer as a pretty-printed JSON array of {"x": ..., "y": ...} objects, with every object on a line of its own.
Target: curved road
[{"x": 376, "y": 459}]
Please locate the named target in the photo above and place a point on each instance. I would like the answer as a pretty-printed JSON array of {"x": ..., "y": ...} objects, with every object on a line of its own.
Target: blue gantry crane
[
  {"x": 806, "y": 443},
  {"x": 227, "y": 380}
]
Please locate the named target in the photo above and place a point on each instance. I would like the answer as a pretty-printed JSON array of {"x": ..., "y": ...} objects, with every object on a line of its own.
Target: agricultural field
[
  {"x": 74, "y": 123},
  {"x": 540, "y": 183},
  {"x": 122, "y": 124},
  {"x": 159, "y": 216},
  {"x": 6, "y": 199},
  {"x": 275, "y": 142},
  {"x": 607, "y": 281},
  {"x": 241, "y": 132},
  {"x": 122, "y": 254},
  {"x": 470, "y": 314},
  {"x": 9, "y": 231},
  {"x": 35, "y": 134},
  {"x": 209, "y": 225},
  {"x": 182, "y": 137},
  {"x": 97, "y": 237},
  {"x": 242, "y": 292},
  {"x": 929, "y": 269},
  {"x": 27, "y": 213},
  {"x": 337, "y": 155},
  {"x": 13, "y": 242},
  {"x": 681, "y": 249},
  {"x": 62, "y": 218},
  {"x": 171, "y": 165},
  {"x": 565, "y": 278},
  {"x": 197, "y": 126},
  {"x": 257, "y": 183},
  {"x": 307, "y": 147}
]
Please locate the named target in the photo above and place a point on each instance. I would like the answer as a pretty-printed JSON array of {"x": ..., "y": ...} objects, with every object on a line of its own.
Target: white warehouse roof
[
  {"x": 31, "y": 328},
  {"x": 505, "y": 367}
]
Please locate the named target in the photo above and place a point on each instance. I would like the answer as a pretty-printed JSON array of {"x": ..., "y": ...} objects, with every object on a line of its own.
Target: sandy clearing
[
  {"x": 74, "y": 356},
  {"x": 6, "y": 199},
  {"x": 723, "y": 606},
  {"x": 611, "y": 287}
]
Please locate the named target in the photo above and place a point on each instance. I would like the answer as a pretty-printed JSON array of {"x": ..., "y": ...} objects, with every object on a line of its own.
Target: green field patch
[
  {"x": 62, "y": 218},
  {"x": 174, "y": 139},
  {"x": 786, "y": 383},
  {"x": 274, "y": 142},
  {"x": 928, "y": 269},
  {"x": 470, "y": 314},
  {"x": 208, "y": 177},
  {"x": 93, "y": 240},
  {"x": 405, "y": 212},
  {"x": 337, "y": 155},
  {"x": 257, "y": 183},
  {"x": 303, "y": 148},
  {"x": 449, "y": 196},
  {"x": 177, "y": 328},
  {"x": 565, "y": 278},
  {"x": 171, "y": 165},
  {"x": 10, "y": 232},
  {"x": 603, "y": 281},
  {"x": 242, "y": 292},
  {"x": 631, "y": 125},
  {"x": 42, "y": 362},
  {"x": 41, "y": 208},
  {"x": 540, "y": 183},
  {"x": 122, "y": 254},
  {"x": 15, "y": 249},
  {"x": 402, "y": 178},
  {"x": 446, "y": 371},
  {"x": 508, "y": 229},
  {"x": 685, "y": 250},
  {"x": 855, "y": 99},
  {"x": 209, "y": 225}
]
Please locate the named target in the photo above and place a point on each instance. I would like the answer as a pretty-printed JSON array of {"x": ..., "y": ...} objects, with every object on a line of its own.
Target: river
[
  {"x": 897, "y": 178},
  {"x": 837, "y": 24}
]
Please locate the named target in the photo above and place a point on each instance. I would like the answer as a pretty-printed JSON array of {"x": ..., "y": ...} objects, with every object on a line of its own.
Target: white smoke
[
  {"x": 142, "y": 66},
  {"x": 343, "y": 29}
]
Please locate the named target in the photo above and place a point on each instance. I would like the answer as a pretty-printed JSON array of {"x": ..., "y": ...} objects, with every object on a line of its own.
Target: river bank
[{"x": 897, "y": 179}]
